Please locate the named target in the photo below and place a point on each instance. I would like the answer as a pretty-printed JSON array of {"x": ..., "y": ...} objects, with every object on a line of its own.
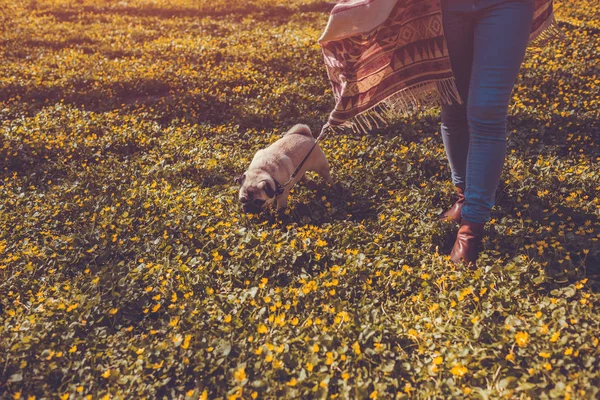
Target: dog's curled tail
[{"x": 300, "y": 129}]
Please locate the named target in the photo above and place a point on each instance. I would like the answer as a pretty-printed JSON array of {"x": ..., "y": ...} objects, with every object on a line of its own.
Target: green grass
[{"x": 128, "y": 270}]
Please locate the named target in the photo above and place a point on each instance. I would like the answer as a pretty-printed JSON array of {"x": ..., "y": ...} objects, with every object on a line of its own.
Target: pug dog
[{"x": 262, "y": 183}]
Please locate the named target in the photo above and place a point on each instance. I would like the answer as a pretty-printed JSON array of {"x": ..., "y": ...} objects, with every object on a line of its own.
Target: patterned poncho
[{"x": 388, "y": 57}]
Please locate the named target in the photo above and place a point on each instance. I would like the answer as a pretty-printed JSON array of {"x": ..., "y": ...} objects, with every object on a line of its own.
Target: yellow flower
[
  {"x": 262, "y": 329},
  {"x": 373, "y": 394},
  {"x": 438, "y": 360},
  {"x": 106, "y": 373},
  {"x": 458, "y": 370},
  {"x": 240, "y": 374},
  {"x": 522, "y": 339},
  {"x": 568, "y": 351},
  {"x": 465, "y": 293},
  {"x": 356, "y": 348},
  {"x": 510, "y": 356},
  {"x": 72, "y": 307},
  {"x": 555, "y": 337},
  {"x": 544, "y": 354},
  {"x": 292, "y": 382},
  {"x": 329, "y": 359}
]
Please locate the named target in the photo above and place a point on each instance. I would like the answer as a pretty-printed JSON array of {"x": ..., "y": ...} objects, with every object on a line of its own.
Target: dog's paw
[
  {"x": 310, "y": 184},
  {"x": 282, "y": 212},
  {"x": 337, "y": 188},
  {"x": 281, "y": 207}
]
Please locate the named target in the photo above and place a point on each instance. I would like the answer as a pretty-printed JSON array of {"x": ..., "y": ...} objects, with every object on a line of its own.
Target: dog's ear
[
  {"x": 269, "y": 190},
  {"x": 240, "y": 179},
  {"x": 266, "y": 186}
]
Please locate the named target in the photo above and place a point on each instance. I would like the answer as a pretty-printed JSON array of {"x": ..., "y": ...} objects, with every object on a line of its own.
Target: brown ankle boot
[
  {"x": 453, "y": 214},
  {"x": 466, "y": 246}
]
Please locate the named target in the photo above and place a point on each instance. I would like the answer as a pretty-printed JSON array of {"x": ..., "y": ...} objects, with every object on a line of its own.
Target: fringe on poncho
[{"x": 387, "y": 58}]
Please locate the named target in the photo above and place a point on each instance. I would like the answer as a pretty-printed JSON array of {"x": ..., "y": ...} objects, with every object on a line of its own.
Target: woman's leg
[
  {"x": 458, "y": 30},
  {"x": 501, "y": 34}
]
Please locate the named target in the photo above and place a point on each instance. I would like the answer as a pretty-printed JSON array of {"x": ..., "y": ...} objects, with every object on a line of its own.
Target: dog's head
[{"x": 257, "y": 191}]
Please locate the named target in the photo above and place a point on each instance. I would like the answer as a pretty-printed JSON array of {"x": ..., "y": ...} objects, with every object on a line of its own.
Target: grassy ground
[{"x": 127, "y": 269}]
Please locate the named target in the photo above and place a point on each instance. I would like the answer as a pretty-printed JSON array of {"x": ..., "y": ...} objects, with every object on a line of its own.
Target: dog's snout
[
  {"x": 254, "y": 206},
  {"x": 251, "y": 208}
]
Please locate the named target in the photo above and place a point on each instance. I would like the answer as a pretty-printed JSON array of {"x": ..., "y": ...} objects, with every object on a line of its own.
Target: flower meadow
[{"x": 127, "y": 269}]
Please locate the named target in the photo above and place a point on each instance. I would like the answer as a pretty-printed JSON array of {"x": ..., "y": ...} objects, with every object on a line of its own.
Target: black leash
[{"x": 279, "y": 188}]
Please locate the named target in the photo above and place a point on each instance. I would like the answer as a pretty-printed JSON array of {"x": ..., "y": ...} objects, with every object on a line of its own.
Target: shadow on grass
[
  {"x": 127, "y": 97},
  {"x": 345, "y": 205},
  {"x": 80, "y": 92}
]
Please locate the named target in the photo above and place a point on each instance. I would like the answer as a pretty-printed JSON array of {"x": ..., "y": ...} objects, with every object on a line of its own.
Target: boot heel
[{"x": 468, "y": 240}]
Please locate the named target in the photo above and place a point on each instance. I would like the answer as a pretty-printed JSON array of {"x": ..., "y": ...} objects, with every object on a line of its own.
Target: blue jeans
[{"x": 486, "y": 42}]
